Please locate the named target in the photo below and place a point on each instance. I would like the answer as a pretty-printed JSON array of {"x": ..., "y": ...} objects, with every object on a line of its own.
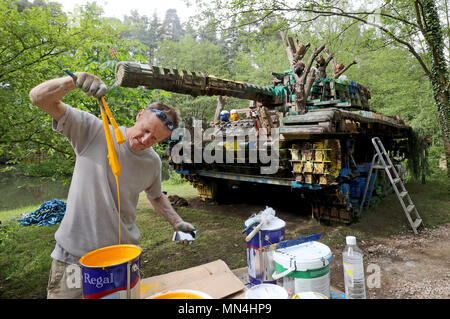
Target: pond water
[{"x": 20, "y": 191}]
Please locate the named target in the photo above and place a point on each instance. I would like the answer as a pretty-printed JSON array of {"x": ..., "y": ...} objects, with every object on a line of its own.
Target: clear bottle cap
[{"x": 350, "y": 240}]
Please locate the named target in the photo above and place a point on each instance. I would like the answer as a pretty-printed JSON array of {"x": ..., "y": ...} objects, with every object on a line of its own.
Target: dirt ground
[{"x": 410, "y": 267}]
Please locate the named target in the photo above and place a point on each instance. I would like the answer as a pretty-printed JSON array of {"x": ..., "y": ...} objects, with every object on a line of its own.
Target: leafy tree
[
  {"x": 155, "y": 33},
  {"x": 33, "y": 38},
  {"x": 38, "y": 43},
  {"x": 171, "y": 26},
  {"x": 145, "y": 30},
  {"x": 256, "y": 65},
  {"x": 191, "y": 55},
  {"x": 138, "y": 26},
  {"x": 414, "y": 25}
]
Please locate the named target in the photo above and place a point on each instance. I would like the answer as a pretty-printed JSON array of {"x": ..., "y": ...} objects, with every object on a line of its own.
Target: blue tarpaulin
[{"x": 50, "y": 213}]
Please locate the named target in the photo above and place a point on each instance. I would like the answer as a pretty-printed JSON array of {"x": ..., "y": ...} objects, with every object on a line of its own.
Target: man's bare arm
[
  {"x": 48, "y": 95},
  {"x": 163, "y": 207}
]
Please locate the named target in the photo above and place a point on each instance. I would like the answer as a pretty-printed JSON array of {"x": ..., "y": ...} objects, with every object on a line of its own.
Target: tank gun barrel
[{"x": 132, "y": 75}]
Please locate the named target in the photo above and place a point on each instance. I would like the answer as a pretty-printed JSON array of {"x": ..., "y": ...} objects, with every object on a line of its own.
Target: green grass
[
  {"x": 185, "y": 190},
  {"x": 386, "y": 218},
  {"x": 25, "y": 260},
  {"x": 219, "y": 237},
  {"x": 25, "y": 251},
  {"x": 9, "y": 214}
]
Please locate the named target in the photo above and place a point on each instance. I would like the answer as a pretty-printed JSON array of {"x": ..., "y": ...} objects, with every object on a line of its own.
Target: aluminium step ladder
[{"x": 381, "y": 160}]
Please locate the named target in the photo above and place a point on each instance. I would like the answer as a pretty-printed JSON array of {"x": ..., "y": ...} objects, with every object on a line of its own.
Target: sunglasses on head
[{"x": 164, "y": 118}]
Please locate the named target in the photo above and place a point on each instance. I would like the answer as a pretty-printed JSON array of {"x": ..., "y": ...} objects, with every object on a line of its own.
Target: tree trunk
[
  {"x": 443, "y": 108},
  {"x": 309, "y": 83},
  {"x": 301, "y": 97},
  {"x": 323, "y": 66},
  {"x": 423, "y": 163},
  {"x": 219, "y": 108},
  {"x": 429, "y": 25}
]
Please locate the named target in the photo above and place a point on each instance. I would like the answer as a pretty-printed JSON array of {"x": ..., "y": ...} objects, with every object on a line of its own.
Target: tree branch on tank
[
  {"x": 340, "y": 69},
  {"x": 300, "y": 70}
]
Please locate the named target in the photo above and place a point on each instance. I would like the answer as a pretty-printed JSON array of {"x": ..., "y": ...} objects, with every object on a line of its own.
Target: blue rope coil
[{"x": 50, "y": 213}]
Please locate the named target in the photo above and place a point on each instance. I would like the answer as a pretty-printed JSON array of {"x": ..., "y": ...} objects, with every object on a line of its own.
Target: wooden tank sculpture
[{"x": 306, "y": 132}]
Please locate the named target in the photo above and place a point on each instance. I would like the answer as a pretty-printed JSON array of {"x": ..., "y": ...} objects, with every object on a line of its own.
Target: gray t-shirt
[{"x": 91, "y": 218}]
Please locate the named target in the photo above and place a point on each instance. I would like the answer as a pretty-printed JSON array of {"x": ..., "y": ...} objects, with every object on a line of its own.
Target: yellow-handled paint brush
[
  {"x": 114, "y": 161},
  {"x": 112, "y": 156}
]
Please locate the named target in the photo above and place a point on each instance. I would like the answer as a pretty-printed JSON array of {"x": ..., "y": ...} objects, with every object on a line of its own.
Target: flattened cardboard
[{"x": 214, "y": 278}]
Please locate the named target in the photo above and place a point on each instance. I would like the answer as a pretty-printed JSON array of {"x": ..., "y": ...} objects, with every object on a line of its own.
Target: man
[{"x": 91, "y": 218}]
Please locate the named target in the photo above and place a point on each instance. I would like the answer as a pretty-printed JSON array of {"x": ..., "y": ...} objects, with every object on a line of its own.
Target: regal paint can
[
  {"x": 304, "y": 267},
  {"x": 260, "y": 262},
  {"x": 111, "y": 273}
]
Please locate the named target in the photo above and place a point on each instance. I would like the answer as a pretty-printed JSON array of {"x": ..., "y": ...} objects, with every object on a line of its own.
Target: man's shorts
[{"x": 63, "y": 282}]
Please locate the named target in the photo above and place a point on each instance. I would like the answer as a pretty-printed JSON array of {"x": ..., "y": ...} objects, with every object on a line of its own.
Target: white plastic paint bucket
[
  {"x": 304, "y": 267},
  {"x": 266, "y": 291}
]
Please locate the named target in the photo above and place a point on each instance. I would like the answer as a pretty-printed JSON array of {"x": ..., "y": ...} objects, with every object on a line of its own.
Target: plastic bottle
[{"x": 352, "y": 257}]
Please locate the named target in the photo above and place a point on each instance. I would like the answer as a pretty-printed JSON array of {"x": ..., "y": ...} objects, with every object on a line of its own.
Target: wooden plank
[
  {"x": 311, "y": 117},
  {"x": 302, "y": 130}
]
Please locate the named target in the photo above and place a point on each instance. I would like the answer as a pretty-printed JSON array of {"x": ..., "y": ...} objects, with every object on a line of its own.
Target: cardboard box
[{"x": 214, "y": 278}]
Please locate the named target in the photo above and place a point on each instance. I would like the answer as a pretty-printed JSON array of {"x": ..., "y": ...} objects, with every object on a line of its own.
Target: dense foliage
[{"x": 38, "y": 41}]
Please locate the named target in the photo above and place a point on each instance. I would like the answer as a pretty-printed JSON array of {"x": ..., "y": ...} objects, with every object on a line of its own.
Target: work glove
[
  {"x": 184, "y": 227},
  {"x": 90, "y": 84}
]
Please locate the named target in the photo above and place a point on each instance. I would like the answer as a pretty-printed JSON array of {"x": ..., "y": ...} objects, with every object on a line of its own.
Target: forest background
[{"x": 39, "y": 40}]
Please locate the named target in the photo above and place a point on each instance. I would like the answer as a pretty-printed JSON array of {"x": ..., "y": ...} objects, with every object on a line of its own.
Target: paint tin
[
  {"x": 260, "y": 263},
  {"x": 266, "y": 291},
  {"x": 111, "y": 273},
  {"x": 181, "y": 294},
  {"x": 304, "y": 267}
]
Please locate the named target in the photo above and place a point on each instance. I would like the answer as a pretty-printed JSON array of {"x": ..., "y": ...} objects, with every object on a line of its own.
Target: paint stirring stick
[{"x": 264, "y": 217}]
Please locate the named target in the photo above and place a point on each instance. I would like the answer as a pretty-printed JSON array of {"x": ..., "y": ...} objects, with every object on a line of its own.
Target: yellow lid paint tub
[
  {"x": 111, "y": 272},
  {"x": 181, "y": 294}
]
